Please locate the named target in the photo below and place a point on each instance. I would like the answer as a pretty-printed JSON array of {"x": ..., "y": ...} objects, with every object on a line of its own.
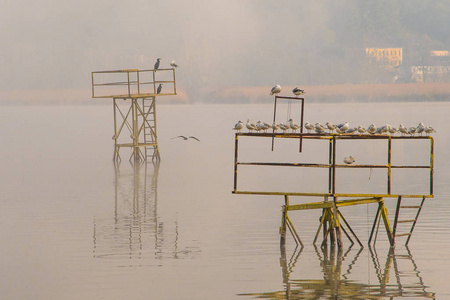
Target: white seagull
[
  {"x": 250, "y": 125},
  {"x": 309, "y": 126},
  {"x": 402, "y": 129},
  {"x": 239, "y": 125},
  {"x": 420, "y": 128},
  {"x": 173, "y": 64},
  {"x": 275, "y": 126},
  {"x": 186, "y": 137},
  {"x": 298, "y": 92},
  {"x": 266, "y": 126},
  {"x": 361, "y": 129},
  {"x": 349, "y": 160},
  {"x": 412, "y": 130},
  {"x": 372, "y": 129},
  {"x": 343, "y": 127},
  {"x": 275, "y": 90},
  {"x": 429, "y": 129},
  {"x": 293, "y": 126},
  {"x": 352, "y": 130},
  {"x": 330, "y": 126},
  {"x": 284, "y": 127}
]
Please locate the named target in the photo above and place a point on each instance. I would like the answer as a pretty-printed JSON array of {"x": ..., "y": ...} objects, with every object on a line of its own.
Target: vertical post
[
  {"x": 138, "y": 83},
  {"x": 235, "y": 162},
  {"x": 154, "y": 82},
  {"x": 128, "y": 76},
  {"x": 115, "y": 129},
  {"x": 92, "y": 77},
  {"x": 135, "y": 129},
  {"x": 301, "y": 126},
  {"x": 333, "y": 187},
  {"x": 174, "y": 82},
  {"x": 389, "y": 165},
  {"x": 274, "y": 117},
  {"x": 431, "y": 165},
  {"x": 284, "y": 222},
  {"x": 336, "y": 225}
]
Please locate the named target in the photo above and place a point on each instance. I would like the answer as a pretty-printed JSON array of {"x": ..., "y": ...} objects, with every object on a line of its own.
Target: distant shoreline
[{"x": 402, "y": 92}]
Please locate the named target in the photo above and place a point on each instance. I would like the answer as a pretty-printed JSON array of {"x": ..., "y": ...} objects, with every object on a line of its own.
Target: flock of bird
[
  {"x": 343, "y": 128},
  {"x": 158, "y": 62},
  {"x": 277, "y": 89}
]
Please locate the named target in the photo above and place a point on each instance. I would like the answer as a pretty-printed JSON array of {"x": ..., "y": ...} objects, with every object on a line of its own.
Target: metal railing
[
  {"x": 134, "y": 83},
  {"x": 332, "y": 165}
]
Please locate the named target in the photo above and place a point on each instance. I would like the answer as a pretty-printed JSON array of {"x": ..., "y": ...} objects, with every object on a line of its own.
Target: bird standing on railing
[
  {"x": 275, "y": 90},
  {"x": 349, "y": 160},
  {"x": 239, "y": 125},
  {"x": 298, "y": 92},
  {"x": 158, "y": 91},
  {"x": 157, "y": 63},
  {"x": 250, "y": 125}
]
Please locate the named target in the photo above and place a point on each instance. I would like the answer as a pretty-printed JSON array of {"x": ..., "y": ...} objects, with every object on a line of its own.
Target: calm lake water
[{"x": 76, "y": 226}]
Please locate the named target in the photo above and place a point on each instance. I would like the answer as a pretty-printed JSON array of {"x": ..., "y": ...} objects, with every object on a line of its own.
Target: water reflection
[
  {"x": 336, "y": 268},
  {"x": 135, "y": 234}
]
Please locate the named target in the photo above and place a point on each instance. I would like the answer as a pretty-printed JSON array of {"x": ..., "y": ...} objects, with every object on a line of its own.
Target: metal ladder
[
  {"x": 149, "y": 122},
  {"x": 410, "y": 220}
]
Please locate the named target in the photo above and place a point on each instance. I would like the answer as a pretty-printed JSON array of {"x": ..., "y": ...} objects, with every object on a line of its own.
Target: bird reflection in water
[
  {"x": 135, "y": 234},
  {"x": 398, "y": 277}
]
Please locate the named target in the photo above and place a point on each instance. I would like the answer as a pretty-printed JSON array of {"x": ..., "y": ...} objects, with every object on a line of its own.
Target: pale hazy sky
[{"x": 54, "y": 44}]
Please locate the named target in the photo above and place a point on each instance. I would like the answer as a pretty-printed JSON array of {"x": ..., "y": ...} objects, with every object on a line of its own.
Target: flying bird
[
  {"x": 298, "y": 92},
  {"x": 157, "y": 63},
  {"x": 173, "y": 64},
  {"x": 275, "y": 90},
  {"x": 349, "y": 160},
  {"x": 185, "y": 138},
  {"x": 239, "y": 125},
  {"x": 158, "y": 91}
]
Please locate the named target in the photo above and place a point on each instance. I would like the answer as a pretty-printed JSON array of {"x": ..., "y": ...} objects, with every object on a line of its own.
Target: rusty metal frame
[
  {"x": 332, "y": 165},
  {"x": 135, "y": 87},
  {"x": 331, "y": 215},
  {"x": 301, "y": 116}
]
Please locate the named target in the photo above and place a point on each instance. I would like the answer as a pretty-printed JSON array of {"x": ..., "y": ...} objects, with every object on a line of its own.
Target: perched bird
[
  {"x": 275, "y": 90},
  {"x": 266, "y": 126},
  {"x": 157, "y": 63},
  {"x": 158, "y": 91},
  {"x": 429, "y": 130},
  {"x": 343, "y": 127},
  {"x": 331, "y": 127},
  {"x": 298, "y": 92},
  {"x": 412, "y": 130},
  {"x": 338, "y": 131},
  {"x": 392, "y": 130},
  {"x": 352, "y": 130},
  {"x": 239, "y": 125},
  {"x": 420, "y": 128},
  {"x": 309, "y": 126},
  {"x": 173, "y": 64},
  {"x": 349, "y": 160},
  {"x": 361, "y": 129},
  {"x": 402, "y": 129},
  {"x": 284, "y": 127},
  {"x": 319, "y": 127},
  {"x": 186, "y": 138},
  {"x": 258, "y": 126},
  {"x": 293, "y": 126},
  {"x": 275, "y": 126},
  {"x": 250, "y": 126},
  {"x": 372, "y": 129}
]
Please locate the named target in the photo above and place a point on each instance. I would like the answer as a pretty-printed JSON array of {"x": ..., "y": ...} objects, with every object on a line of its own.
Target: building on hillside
[
  {"x": 437, "y": 68},
  {"x": 388, "y": 58}
]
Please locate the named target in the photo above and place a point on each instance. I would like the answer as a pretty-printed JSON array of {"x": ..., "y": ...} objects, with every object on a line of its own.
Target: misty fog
[{"x": 53, "y": 44}]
